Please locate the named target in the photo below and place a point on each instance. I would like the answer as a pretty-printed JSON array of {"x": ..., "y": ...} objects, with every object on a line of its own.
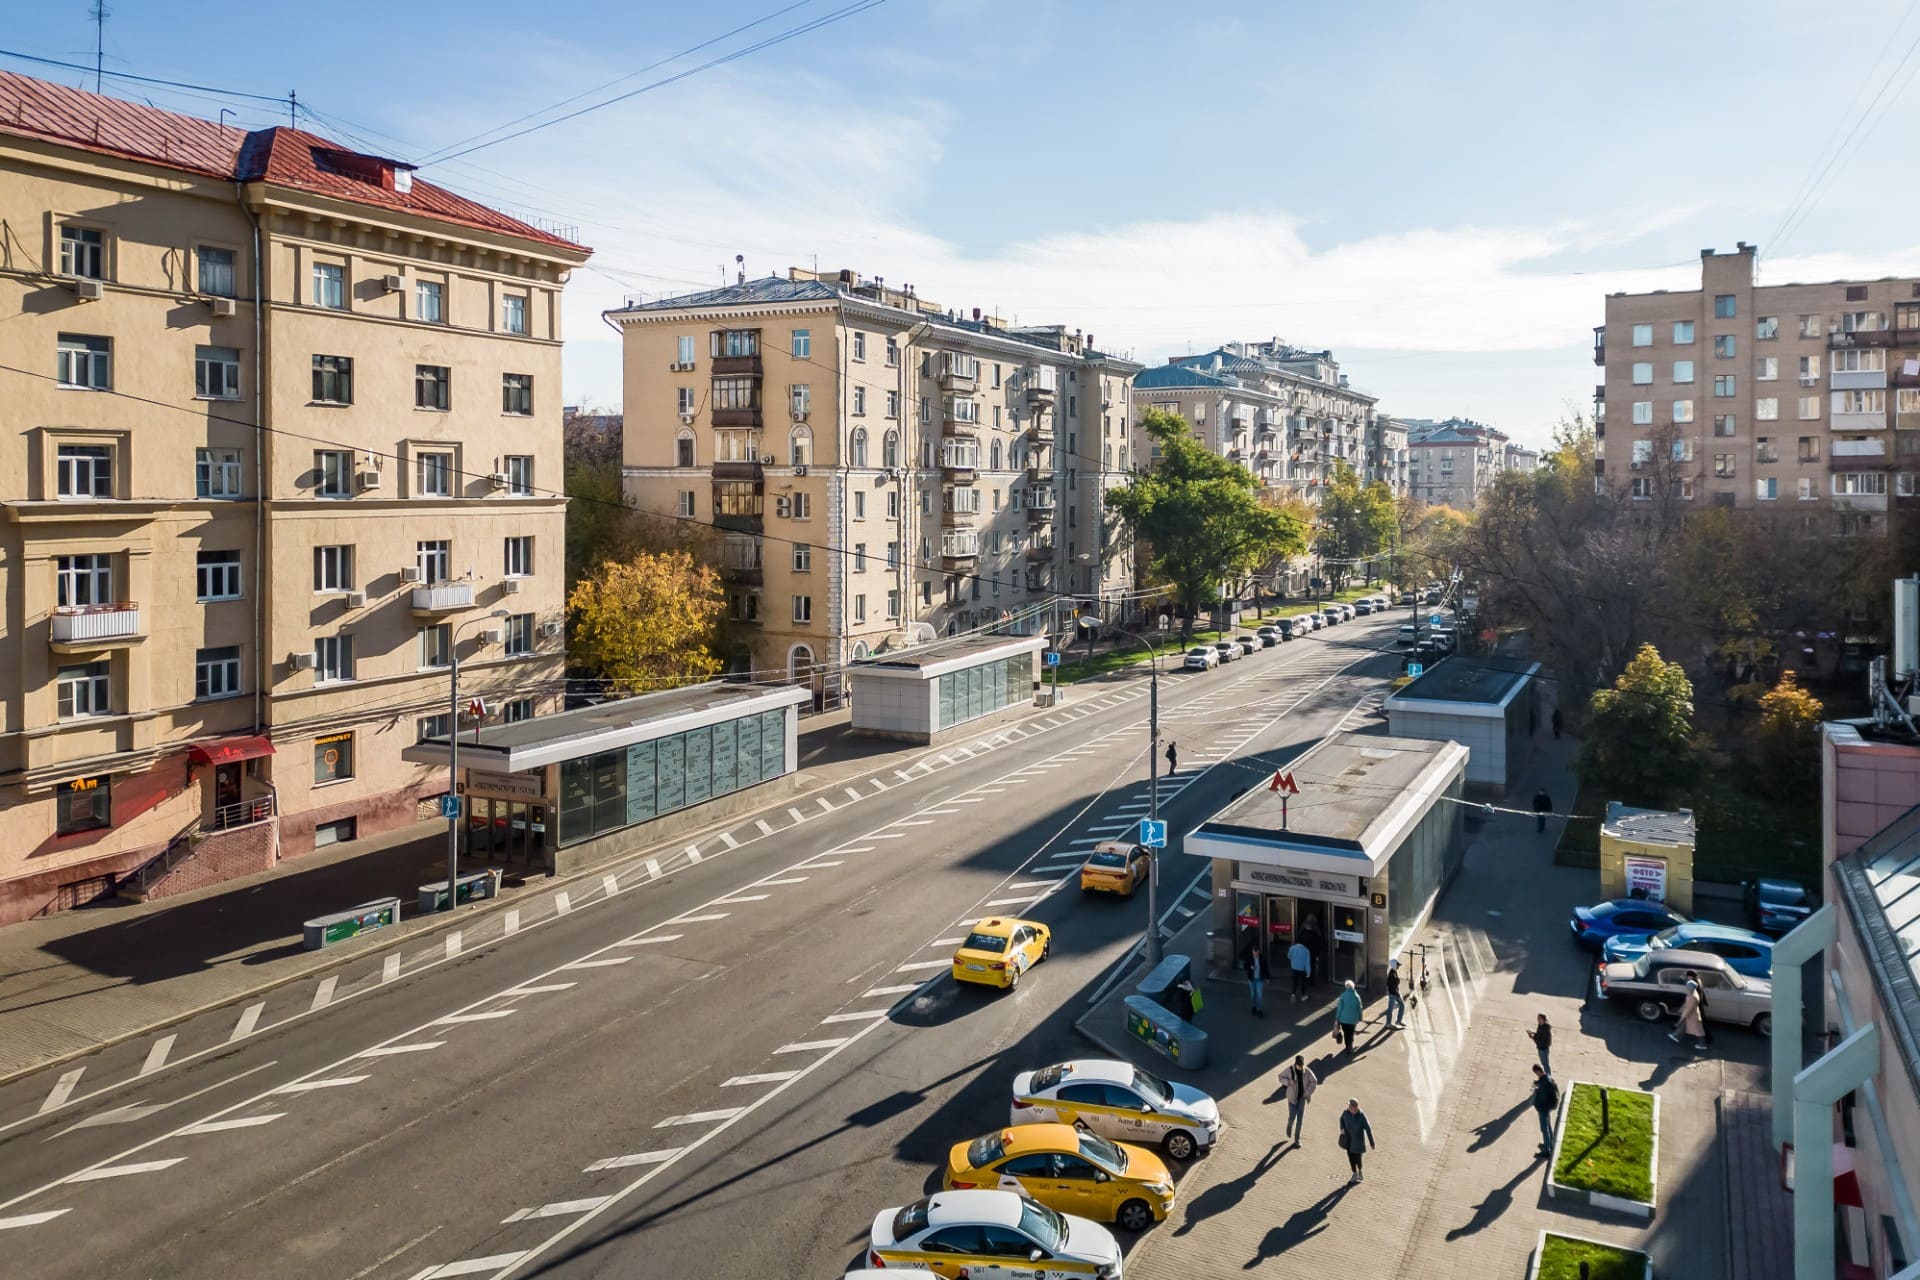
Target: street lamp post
[
  {"x": 455, "y": 814},
  {"x": 1153, "y": 794}
]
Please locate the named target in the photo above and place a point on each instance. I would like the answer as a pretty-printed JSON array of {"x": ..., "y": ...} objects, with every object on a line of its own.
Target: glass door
[
  {"x": 1280, "y": 925},
  {"x": 1349, "y": 935}
]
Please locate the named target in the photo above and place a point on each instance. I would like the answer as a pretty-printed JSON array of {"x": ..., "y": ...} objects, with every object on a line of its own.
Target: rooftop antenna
[
  {"x": 293, "y": 109},
  {"x": 99, "y": 13},
  {"x": 740, "y": 261}
]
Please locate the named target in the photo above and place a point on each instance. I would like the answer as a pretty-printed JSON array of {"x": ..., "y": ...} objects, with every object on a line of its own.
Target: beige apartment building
[
  {"x": 883, "y": 470},
  {"x": 1797, "y": 398},
  {"x": 281, "y": 426}
]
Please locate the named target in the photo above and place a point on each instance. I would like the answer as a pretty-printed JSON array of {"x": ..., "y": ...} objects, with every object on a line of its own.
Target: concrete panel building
[{"x": 1485, "y": 704}]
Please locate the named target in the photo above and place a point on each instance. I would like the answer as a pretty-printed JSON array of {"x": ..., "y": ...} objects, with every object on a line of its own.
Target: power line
[{"x": 279, "y": 100}]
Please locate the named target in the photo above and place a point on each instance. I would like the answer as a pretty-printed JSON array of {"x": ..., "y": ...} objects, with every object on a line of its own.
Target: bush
[{"x": 1786, "y": 738}]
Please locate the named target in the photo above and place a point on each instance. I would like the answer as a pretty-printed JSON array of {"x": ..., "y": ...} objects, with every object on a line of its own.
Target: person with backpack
[{"x": 1546, "y": 1101}]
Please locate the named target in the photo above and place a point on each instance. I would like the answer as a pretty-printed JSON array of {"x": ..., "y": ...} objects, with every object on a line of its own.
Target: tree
[
  {"x": 603, "y": 525},
  {"x": 1357, "y": 522},
  {"x": 1788, "y": 733},
  {"x": 1201, "y": 515},
  {"x": 1639, "y": 745},
  {"x": 648, "y": 621},
  {"x": 1426, "y": 540}
]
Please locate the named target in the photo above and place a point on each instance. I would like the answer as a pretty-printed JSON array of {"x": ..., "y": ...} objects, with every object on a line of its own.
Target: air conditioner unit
[
  {"x": 800, "y": 412},
  {"x": 491, "y": 635},
  {"x": 356, "y": 599},
  {"x": 766, "y": 459},
  {"x": 89, "y": 290},
  {"x": 783, "y": 506},
  {"x": 550, "y": 628},
  {"x": 221, "y": 306},
  {"x": 300, "y": 661},
  {"x": 510, "y": 585},
  {"x": 500, "y": 479},
  {"x": 369, "y": 479},
  {"x": 393, "y": 283},
  {"x": 686, "y": 419},
  {"x": 799, "y": 471},
  {"x": 410, "y": 574}
]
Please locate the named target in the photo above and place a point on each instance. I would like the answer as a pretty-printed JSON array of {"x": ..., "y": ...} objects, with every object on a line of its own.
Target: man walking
[
  {"x": 1546, "y": 1100},
  {"x": 1542, "y": 1037},
  {"x": 1394, "y": 1003},
  {"x": 1297, "y": 1084},
  {"x": 1559, "y": 723},
  {"x": 1346, "y": 1014},
  {"x": 1356, "y": 1135},
  {"x": 1300, "y": 964},
  {"x": 1255, "y": 965},
  {"x": 1173, "y": 759},
  {"x": 1542, "y": 806}
]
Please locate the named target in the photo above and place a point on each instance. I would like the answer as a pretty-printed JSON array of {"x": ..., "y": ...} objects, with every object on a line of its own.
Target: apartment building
[
  {"x": 1388, "y": 458},
  {"x": 282, "y": 430},
  {"x": 1797, "y": 398},
  {"x": 1452, "y": 461},
  {"x": 884, "y": 470}
]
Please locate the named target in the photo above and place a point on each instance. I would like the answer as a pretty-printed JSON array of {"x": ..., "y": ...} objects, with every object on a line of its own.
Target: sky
[{"x": 1441, "y": 193}]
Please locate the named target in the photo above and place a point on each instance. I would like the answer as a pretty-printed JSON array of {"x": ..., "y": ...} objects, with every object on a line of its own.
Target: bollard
[
  {"x": 1606, "y": 1124},
  {"x": 1586, "y": 1270}
]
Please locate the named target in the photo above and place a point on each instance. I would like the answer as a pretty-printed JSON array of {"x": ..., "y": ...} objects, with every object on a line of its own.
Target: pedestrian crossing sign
[{"x": 1153, "y": 834}]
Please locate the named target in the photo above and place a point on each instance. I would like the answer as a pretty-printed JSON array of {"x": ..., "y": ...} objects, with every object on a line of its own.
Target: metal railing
[{"x": 241, "y": 813}]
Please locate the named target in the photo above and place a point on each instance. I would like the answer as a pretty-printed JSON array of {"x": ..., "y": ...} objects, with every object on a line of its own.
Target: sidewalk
[{"x": 1454, "y": 1189}]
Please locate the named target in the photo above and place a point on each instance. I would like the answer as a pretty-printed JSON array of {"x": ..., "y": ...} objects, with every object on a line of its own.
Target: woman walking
[
  {"x": 1356, "y": 1135},
  {"x": 1693, "y": 1022},
  {"x": 1346, "y": 1013}
]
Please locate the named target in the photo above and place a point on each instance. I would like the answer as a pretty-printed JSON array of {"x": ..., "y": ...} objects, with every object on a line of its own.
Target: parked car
[
  {"x": 1270, "y": 635},
  {"x": 980, "y": 1232},
  {"x": 1362, "y": 608},
  {"x": 1775, "y": 906},
  {"x": 1592, "y": 926},
  {"x": 1332, "y": 616},
  {"x": 1655, "y": 985},
  {"x": 1407, "y": 636},
  {"x": 1746, "y": 951},
  {"x": 1249, "y": 645},
  {"x": 1289, "y": 628},
  {"x": 1446, "y": 637},
  {"x": 1346, "y": 611},
  {"x": 1201, "y": 657},
  {"x": 1227, "y": 650}
]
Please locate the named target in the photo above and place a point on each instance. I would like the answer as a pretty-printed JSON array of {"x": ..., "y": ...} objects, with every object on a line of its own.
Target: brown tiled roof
[{"x": 40, "y": 109}]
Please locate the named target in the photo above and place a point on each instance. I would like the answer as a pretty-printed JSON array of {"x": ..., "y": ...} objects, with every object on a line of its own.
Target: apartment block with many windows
[
  {"x": 1802, "y": 399},
  {"x": 285, "y": 428},
  {"x": 882, "y": 470}
]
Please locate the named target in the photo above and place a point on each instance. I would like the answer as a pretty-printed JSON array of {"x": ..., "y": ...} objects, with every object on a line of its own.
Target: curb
[
  {"x": 1643, "y": 1209},
  {"x": 1540, "y": 1248}
]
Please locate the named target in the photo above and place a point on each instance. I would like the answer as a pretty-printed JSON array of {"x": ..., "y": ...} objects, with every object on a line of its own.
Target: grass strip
[
  {"x": 1617, "y": 1161},
  {"x": 1561, "y": 1256}
]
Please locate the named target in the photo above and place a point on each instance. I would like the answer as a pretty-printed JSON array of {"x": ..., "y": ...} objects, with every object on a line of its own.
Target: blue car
[
  {"x": 1592, "y": 926},
  {"x": 1744, "y": 950}
]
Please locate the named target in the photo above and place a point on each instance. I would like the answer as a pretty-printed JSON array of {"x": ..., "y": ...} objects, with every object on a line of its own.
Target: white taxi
[
  {"x": 991, "y": 1235},
  {"x": 1118, "y": 1100}
]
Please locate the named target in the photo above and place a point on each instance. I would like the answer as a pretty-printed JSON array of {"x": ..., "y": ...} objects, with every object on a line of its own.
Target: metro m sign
[{"x": 1284, "y": 782}]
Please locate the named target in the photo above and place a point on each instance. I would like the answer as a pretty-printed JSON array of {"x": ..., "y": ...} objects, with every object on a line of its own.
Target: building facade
[
  {"x": 1796, "y": 398},
  {"x": 283, "y": 427},
  {"x": 1451, "y": 462},
  {"x": 1389, "y": 459},
  {"x": 883, "y": 470}
]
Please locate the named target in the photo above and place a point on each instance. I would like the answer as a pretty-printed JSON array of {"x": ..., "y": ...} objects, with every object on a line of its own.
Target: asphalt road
[{"x": 727, "y": 1071}]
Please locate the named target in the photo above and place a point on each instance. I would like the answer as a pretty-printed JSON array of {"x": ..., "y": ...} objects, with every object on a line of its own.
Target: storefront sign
[
  {"x": 1313, "y": 884},
  {"x": 1341, "y": 935},
  {"x": 488, "y": 784},
  {"x": 1647, "y": 877}
]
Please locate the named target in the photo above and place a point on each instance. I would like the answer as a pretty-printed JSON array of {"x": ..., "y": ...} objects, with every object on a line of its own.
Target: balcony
[
  {"x": 241, "y": 813},
  {"x": 1040, "y": 551},
  {"x": 1039, "y": 512},
  {"x": 960, "y": 416},
  {"x": 1858, "y": 379},
  {"x": 1846, "y": 420},
  {"x": 1861, "y": 338},
  {"x": 1040, "y": 383},
  {"x": 1857, "y": 455},
  {"x": 1039, "y": 473},
  {"x": 956, "y": 372},
  {"x": 442, "y": 597},
  {"x": 736, "y": 365},
  {"x": 1907, "y": 374},
  {"x": 1600, "y": 346},
  {"x": 959, "y": 550},
  {"x": 959, "y": 518},
  {"x": 739, "y": 470},
  {"x": 1600, "y": 393},
  {"x": 748, "y": 417},
  {"x": 1858, "y": 501},
  {"x": 959, "y": 457},
  {"x": 1040, "y": 431},
  {"x": 96, "y": 626}
]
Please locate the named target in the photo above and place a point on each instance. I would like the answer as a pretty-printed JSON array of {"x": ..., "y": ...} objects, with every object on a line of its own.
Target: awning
[{"x": 230, "y": 751}]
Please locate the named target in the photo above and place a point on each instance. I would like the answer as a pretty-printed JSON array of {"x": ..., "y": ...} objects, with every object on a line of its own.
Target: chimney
[{"x": 976, "y": 315}]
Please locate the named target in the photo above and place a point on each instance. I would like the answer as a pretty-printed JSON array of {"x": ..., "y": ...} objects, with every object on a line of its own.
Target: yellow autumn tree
[
  {"x": 647, "y": 621},
  {"x": 1788, "y": 735}
]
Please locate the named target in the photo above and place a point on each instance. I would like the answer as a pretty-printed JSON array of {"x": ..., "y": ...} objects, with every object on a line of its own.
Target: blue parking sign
[
  {"x": 1051, "y": 658},
  {"x": 1153, "y": 834}
]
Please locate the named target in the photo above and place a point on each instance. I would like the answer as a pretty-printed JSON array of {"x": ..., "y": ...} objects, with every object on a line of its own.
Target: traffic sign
[
  {"x": 1050, "y": 659},
  {"x": 1414, "y": 669},
  {"x": 1153, "y": 834},
  {"x": 449, "y": 806},
  {"x": 1434, "y": 620}
]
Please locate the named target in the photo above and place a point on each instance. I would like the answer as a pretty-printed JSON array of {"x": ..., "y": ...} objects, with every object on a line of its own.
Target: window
[
  {"x": 686, "y": 504},
  {"x": 436, "y": 645},
  {"x": 1682, "y": 488},
  {"x": 893, "y": 555},
  {"x": 520, "y": 475},
  {"x": 860, "y": 400},
  {"x": 83, "y": 471},
  {"x": 432, "y": 386},
  {"x": 517, "y": 560},
  {"x": 1683, "y": 371},
  {"x": 84, "y": 690},
  {"x": 330, "y": 286},
  {"x": 1723, "y": 386},
  {"x": 434, "y": 560},
  {"x": 1724, "y": 424},
  {"x": 513, "y": 313},
  {"x": 1682, "y": 449},
  {"x": 1642, "y": 374},
  {"x": 890, "y": 450},
  {"x": 859, "y": 345},
  {"x": 1764, "y": 450},
  {"x": 1723, "y": 466},
  {"x": 734, "y": 343},
  {"x": 516, "y": 393},
  {"x": 517, "y": 710},
  {"x": 429, "y": 301},
  {"x": 803, "y": 609},
  {"x": 859, "y": 608},
  {"x": 893, "y": 504},
  {"x": 216, "y": 473},
  {"x": 216, "y": 373},
  {"x": 1766, "y": 489},
  {"x": 339, "y": 831},
  {"x": 1723, "y": 346},
  {"x": 801, "y": 395},
  {"x": 736, "y": 498},
  {"x": 802, "y": 344},
  {"x": 1809, "y": 408},
  {"x": 893, "y": 604},
  {"x": 1809, "y": 370},
  {"x": 859, "y": 504},
  {"x": 857, "y": 447},
  {"x": 1810, "y": 326},
  {"x": 1863, "y": 321},
  {"x": 1683, "y": 411},
  {"x": 1807, "y": 490},
  {"x": 1859, "y": 483},
  {"x": 83, "y": 252},
  {"x": 1766, "y": 409},
  {"x": 1723, "y": 306},
  {"x": 803, "y": 506},
  {"x": 85, "y": 805},
  {"x": 426, "y": 727},
  {"x": 683, "y": 450},
  {"x": 85, "y": 362},
  {"x": 332, "y": 762},
  {"x": 1766, "y": 369},
  {"x": 736, "y": 393},
  {"x": 217, "y": 575},
  {"x": 893, "y": 404},
  {"x": 800, "y": 447},
  {"x": 333, "y": 379},
  {"x": 1860, "y": 361},
  {"x": 802, "y": 558},
  {"x": 1766, "y": 328},
  {"x": 333, "y": 568},
  {"x": 1856, "y": 293},
  {"x": 80, "y": 581},
  {"x": 216, "y": 271},
  {"x": 1642, "y": 412},
  {"x": 216, "y": 672},
  {"x": 519, "y": 635},
  {"x": 334, "y": 467},
  {"x": 434, "y": 475},
  {"x": 893, "y": 352},
  {"x": 1643, "y": 335},
  {"x": 1683, "y": 331},
  {"x": 1857, "y": 401},
  {"x": 1809, "y": 448}
]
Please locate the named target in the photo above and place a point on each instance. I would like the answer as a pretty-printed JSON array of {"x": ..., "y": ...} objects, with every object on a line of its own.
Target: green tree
[
  {"x": 1357, "y": 523},
  {"x": 647, "y": 622},
  {"x": 1201, "y": 516},
  {"x": 1639, "y": 745}
]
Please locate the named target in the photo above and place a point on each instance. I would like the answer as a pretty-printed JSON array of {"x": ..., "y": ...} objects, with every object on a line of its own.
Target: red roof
[{"x": 40, "y": 109}]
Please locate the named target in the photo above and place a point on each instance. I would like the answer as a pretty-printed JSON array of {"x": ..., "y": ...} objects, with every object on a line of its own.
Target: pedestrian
[
  {"x": 1314, "y": 935},
  {"x": 1300, "y": 965},
  {"x": 1559, "y": 723},
  {"x": 1356, "y": 1135},
  {"x": 1255, "y": 965},
  {"x": 1187, "y": 1002},
  {"x": 1542, "y": 806},
  {"x": 1394, "y": 1003},
  {"x": 1297, "y": 1084},
  {"x": 1347, "y": 1015},
  {"x": 1173, "y": 759},
  {"x": 1546, "y": 1101},
  {"x": 1542, "y": 1037},
  {"x": 1693, "y": 1021}
]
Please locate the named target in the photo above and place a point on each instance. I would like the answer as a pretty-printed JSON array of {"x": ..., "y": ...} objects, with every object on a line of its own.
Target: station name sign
[{"x": 1315, "y": 884}]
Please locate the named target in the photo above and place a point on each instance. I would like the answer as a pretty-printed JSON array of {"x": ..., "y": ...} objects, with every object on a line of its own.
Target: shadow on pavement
[
  {"x": 1223, "y": 1197},
  {"x": 1485, "y": 1135},
  {"x": 1498, "y": 1201},
  {"x": 1302, "y": 1226}
]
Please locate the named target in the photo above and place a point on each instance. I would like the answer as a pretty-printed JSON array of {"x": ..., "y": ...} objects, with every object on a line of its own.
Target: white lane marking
[
  {"x": 122, "y": 1170},
  {"x": 877, "y": 784},
  {"x": 797, "y": 816},
  {"x": 485, "y": 1015},
  {"x": 820, "y": 866},
  {"x": 700, "y": 1117},
  {"x": 221, "y": 1126},
  {"x": 1185, "y": 913},
  {"x": 600, "y": 962},
  {"x": 387, "y": 1050},
  {"x": 653, "y": 868},
  {"x": 640, "y": 940},
  {"x": 744, "y": 897},
  {"x": 250, "y": 1016},
  {"x": 914, "y": 822},
  {"x": 609, "y": 885},
  {"x": 811, "y": 1046},
  {"x": 469, "y": 1266},
  {"x": 557, "y": 1209},
  {"x": 853, "y": 848},
  {"x": 511, "y": 925},
  {"x": 157, "y": 1056},
  {"x": 768, "y": 884},
  {"x": 544, "y": 988},
  {"x": 939, "y": 811},
  {"x": 888, "y": 835},
  {"x": 988, "y": 791},
  {"x": 919, "y": 965},
  {"x": 628, "y": 1162},
  {"x": 562, "y": 903},
  {"x": 852, "y": 794},
  {"x": 946, "y": 942},
  {"x": 323, "y": 994},
  {"x": 1016, "y": 902},
  {"x": 30, "y": 1219},
  {"x": 969, "y": 799},
  {"x": 766, "y": 828},
  {"x": 825, "y": 807},
  {"x": 1199, "y": 893},
  {"x": 453, "y": 944},
  {"x": 893, "y": 991},
  {"x": 727, "y": 839},
  {"x": 867, "y": 1016},
  {"x": 693, "y": 853},
  {"x": 765, "y": 1077},
  {"x": 903, "y": 775},
  {"x": 701, "y": 919},
  {"x": 119, "y": 1115}
]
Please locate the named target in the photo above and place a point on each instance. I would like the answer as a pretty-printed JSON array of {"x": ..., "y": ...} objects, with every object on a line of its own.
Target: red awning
[{"x": 230, "y": 751}]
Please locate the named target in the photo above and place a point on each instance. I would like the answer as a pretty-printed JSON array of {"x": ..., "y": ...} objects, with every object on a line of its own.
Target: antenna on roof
[
  {"x": 293, "y": 109},
  {"x": 99, "y": 13},
  {"x": 740, "y": 260}
]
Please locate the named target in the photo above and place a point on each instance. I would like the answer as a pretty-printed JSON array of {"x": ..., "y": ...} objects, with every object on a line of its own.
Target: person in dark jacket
[
  {"x": 1394, "y": 1003},
  {"x": 1559, "y": 723},
  {"x": 1356, "y": 1135},
  {"x": 1173, "y": 758},
  {"x": 1542, "y": 1037},
  {"x": 1546, "y": 1100},
  {"x": 1255, "y": 965},
  {"x": 1542, "y": 806}
]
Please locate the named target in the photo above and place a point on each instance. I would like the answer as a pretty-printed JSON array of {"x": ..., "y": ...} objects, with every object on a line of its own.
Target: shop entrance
[
  {"x": 1275, "y": 921},
  {"x": 507, "y": 831},
  {"x": 1349, "y": 944}
]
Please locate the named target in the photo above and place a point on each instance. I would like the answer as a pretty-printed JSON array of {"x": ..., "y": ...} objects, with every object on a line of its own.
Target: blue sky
[{"x": 1442, "y": 193}]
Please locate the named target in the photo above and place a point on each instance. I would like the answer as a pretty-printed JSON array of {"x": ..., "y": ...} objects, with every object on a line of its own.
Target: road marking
[
  {"x": 653, "y": 868},
  {"x": 486, "y": 1015},
  {"x": 700, "y": 1117},
  {"x": 820, "y": 866},
  {"x": 903, "y": 775},
  {"x": 766, "y": 828},
  {"x": 386, "y": 1050},
  {"x": 797, "y": 816},
  {"x": 946, "y": 942},
  {"x": 919, "y": 965},
  {"x": 867, "y": 1016},
  {"x": 782, "y": 880},
  {"x": 852, "y": 794},
  {"x": 937, "y": 812},
  {"x": 1185, "y": 913},
  {"x": 221, "y": 1126},
  {"x": 893, "y": 991},
  {"x": 250, "y": 1016},
  {"x": 512, "y": 924},
  {"x": 122, "y": 1170},
  {"x": 628, "y": 1162},
  {"x": 765, "y": 1077},
  {"x": 119, "y": 1115},
  {"x": 608, "y": 885},
  {"x": 469, "y": 1266},
  {"x": 390, "y": 965},
  {"x": 989, "y": 791},
  {"x": 877, "y": 784},
  {"x": 1015, "y": 902},
  {"x": 323, "y": 994},
  {"x": 558, "y": 1209},
  {"x": 914, "y": 822},
  {"x": 30, "y": 1219},
  {"x": 825, "y": 807},
  {"x": 642, "y": 940},
  {"x": 888, "y": 835},
  {"x": 562, "y": 903},
  {"x": 600, "y": 962},
  {"x": 727, "y": 839},
  {"x": 811, "y": 1046},
  {"x": 969, "y": 799},
  {"x": 745, "y": 897},
  {"x": 712, "y": 915},
  {"x": 453, "y": 944},
  {"x": 853, "y": 848},
  {"x": 157, "y": 1056},
  {"x": 693, "y": 853}
]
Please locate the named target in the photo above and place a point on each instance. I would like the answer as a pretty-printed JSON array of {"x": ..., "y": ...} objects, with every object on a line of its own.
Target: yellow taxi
[
  {"x": 999, "y": 949},
  {"x": 1069, "y": 1171},
  {"x": 1114, "y": 866}
]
